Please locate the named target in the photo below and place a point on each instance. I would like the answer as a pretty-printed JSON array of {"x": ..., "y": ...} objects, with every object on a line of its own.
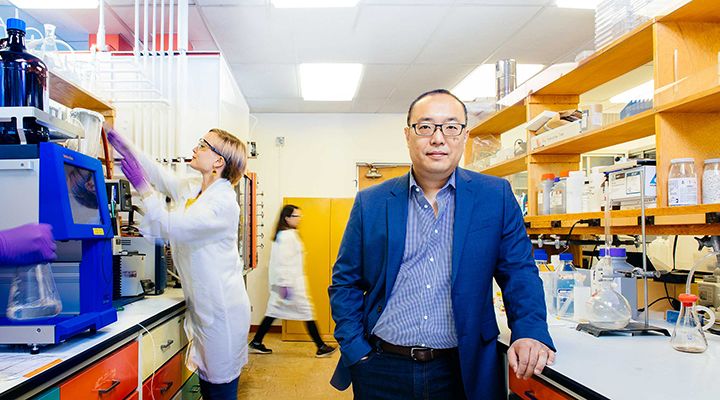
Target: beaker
[
  {"x": 33, "y": 294},
  {"x": 689, "y": 333}
]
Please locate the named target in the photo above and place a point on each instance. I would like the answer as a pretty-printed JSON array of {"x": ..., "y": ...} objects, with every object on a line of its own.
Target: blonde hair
[{"x": 234, "y": 151}]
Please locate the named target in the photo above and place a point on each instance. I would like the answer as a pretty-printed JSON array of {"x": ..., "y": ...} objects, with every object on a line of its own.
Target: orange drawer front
[
  {"x": 134, "y": 396},
  {"x": 112, "y": 378},
  {"x": 166, "y": 382},
  {"x": 534, "y": 389}
]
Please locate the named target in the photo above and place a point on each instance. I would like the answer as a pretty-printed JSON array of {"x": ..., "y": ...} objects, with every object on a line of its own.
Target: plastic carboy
[
  {"x": 33, "y": 294},
  {"x": 689, "y": 333},
  {"x": 607, "y": 308}
]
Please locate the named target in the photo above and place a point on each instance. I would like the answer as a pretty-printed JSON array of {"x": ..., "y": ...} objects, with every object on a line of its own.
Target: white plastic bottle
[
  {"x": 595, "y": 197},
  {"x": 682, "y": 183},
  {"x": 574, "y": 191}
]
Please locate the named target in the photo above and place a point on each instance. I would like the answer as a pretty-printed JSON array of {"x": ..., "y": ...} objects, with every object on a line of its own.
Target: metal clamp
[{"x": 167, "y": 344}]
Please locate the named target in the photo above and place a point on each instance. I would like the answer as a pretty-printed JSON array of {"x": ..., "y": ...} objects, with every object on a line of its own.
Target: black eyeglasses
[
  {"x": 204, "y": 144},
  {"x": 428, "y": 128}
]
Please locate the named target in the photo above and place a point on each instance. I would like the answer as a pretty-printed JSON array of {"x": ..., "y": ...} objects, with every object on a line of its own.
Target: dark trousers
[
  {"x": 386, "y": 376},
  {"x": 219, "y": 391},
  {"x": 311, "y": 327}
]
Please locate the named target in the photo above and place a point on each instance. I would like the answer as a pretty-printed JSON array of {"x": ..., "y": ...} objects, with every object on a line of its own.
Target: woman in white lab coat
[
  {"x": 201, "y": 225},
  {"x": 288, "y": 295}
]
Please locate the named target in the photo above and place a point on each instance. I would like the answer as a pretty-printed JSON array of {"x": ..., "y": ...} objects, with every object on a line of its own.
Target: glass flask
[
  {"x": 689, "y": 335},
  {"x": 607, "y": 308},
  {"x": 33, "y": 294}
]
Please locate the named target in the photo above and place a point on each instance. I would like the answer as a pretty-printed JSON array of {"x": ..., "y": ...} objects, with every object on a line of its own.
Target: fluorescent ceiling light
[
  {"x": 55, "y": 4},
  {"x": 313, "y": 3},
  {"x": 329, "y": 82},
  {"x": 583, "y": 4},
  {"x": 644, "y": 91},
  {"x": 481, "y": 81}
]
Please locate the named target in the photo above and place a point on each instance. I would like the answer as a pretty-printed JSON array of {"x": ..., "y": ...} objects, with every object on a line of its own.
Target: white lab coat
[
  {"x": 203, "y": 238},
  {"x": 286, "y": 269}
]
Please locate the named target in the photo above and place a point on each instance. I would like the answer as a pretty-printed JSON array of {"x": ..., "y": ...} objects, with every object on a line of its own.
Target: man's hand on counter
[{"x": 528, "y": 356}]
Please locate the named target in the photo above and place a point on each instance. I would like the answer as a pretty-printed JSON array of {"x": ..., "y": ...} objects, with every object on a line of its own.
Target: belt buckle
[{"x": 421, "y": 358}]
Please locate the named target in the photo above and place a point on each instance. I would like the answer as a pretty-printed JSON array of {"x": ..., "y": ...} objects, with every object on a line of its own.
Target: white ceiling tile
[
  {"x": 379, "y": 80},
  {"x": 470, "y": 34},
  {"x": 267, "y": 80},
  {"x": 546, "y": 39},
  {"x": 325, "y": 106},
  {"x": 368, "y": 105},
  {"x": 252, "y": 34},
  {"x": 280, "y": 105},
  {"x": 420, "y": 78}
]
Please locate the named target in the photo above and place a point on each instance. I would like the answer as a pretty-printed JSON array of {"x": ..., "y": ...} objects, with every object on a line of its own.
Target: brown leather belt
[{"x": 420, "y": 354}]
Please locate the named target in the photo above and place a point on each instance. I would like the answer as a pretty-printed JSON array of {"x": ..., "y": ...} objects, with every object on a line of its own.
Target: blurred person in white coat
[
  {"x": 288, "y": 295},
  {"x": 202, "y": 227}
]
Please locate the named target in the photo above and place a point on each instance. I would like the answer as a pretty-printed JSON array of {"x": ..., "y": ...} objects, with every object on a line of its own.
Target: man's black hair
[{"x": 432, "y": 93}]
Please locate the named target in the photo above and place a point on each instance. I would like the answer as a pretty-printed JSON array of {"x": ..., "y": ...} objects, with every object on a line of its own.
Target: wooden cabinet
[
  {"x": 166, "y": 381},
  {"x": 534, "y": 389},
  {"x": 161, "y": 344},
  {"x": 321, "y": 231},
  {"x": 112, "y": 378}
]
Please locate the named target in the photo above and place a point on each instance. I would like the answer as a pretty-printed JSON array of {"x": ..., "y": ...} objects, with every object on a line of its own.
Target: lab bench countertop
[
  {"x": 627, "y": 367},
  {"x": 82, "y": 350}
]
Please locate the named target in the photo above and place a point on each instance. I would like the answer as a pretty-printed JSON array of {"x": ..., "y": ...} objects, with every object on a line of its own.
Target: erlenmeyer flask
[
  {"x": 689, "y": 335},
  {"x": 33, "y": 294}
]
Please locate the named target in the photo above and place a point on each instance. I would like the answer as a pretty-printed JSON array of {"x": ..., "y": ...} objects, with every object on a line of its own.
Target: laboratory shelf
[
  {"x": 689, "y": 220},
  {"x": 73, "y": 96},
  {"x": 706, "y": 101},
  {"x": 507, "y": 167},
  {"x": 619, "y": 57},
  {"x": 631, "y": 128},
  {"x": 694, "y": 11},
  {"x": 500, "y": 121}
]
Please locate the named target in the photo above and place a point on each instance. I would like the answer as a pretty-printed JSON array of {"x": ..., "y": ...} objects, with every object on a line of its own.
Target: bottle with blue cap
[
  {"x": 24, "y": 80},
  {"x": 564, "y": 287}
]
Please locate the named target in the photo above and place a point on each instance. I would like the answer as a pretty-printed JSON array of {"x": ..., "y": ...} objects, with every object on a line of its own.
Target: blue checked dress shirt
[{"x": 419, "y": 311}]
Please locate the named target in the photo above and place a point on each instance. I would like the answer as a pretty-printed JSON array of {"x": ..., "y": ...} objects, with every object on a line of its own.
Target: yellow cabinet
[{"x": 321, "y": 231}]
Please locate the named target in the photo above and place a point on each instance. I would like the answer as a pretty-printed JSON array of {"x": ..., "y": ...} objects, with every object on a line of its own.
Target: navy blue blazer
[{"x": 489, "y": 240}]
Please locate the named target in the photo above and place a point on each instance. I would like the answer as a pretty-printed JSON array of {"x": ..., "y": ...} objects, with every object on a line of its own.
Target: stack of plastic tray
[{"x": 614, "y": 18}]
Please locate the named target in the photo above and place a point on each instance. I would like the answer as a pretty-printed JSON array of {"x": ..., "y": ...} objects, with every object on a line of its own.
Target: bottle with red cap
[{"x": 689, "y": 333}]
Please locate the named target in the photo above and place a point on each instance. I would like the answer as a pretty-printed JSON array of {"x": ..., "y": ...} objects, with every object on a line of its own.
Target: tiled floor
[{"x": 291, "y": 372}]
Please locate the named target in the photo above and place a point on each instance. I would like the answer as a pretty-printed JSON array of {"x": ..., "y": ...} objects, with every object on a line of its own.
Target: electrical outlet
[{"x": 280, "y": 141}]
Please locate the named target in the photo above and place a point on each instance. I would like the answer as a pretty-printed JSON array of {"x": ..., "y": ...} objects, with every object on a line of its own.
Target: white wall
[{"x": 318, "y": 160}]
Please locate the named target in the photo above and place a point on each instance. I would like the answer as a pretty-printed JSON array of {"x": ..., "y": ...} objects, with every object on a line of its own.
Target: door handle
[
  {"x": 167, "y": 387},
  {"x": 530, "y": 394},
  {"x": 112, "y": 387},
  {"x": 167, "y": 344}
]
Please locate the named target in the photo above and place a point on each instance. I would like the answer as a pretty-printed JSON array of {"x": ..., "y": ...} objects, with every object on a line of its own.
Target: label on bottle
[
  {"x": 682, "y": 191},
  {"x": 556, "y": 199}
]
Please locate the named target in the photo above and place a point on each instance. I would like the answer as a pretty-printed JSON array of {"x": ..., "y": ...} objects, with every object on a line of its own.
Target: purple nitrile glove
[
  {"x": 27, "y": 244},
  {"x": 285, "y": 292},
  {"x": 119, "y": 143},
  {"x": 135, "y": 174}
]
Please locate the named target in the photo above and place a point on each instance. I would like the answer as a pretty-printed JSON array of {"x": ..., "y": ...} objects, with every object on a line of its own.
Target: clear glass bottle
[
  {"x": 33, "y": 294},
  {"x": 682, "y": 183},
  {"x": 711, "y": 181},
  {"x": 689, "y": 333},
  {"x": 564, "y": 287}
]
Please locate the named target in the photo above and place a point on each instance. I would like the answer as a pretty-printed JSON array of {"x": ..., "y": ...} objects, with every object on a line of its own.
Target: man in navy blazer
[{"x": 411, "y": 291}]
